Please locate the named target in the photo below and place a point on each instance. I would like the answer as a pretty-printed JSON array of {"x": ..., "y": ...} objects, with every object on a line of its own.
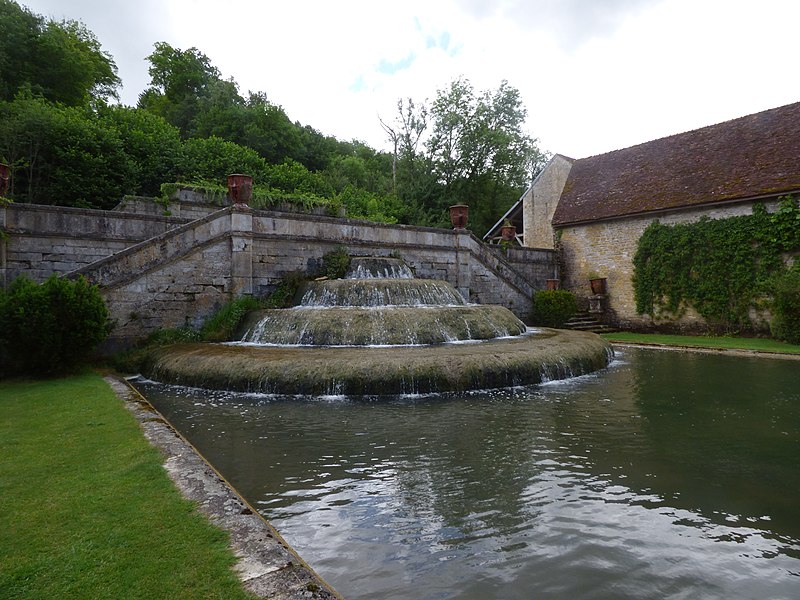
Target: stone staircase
[{"x": 585, "y": 321}]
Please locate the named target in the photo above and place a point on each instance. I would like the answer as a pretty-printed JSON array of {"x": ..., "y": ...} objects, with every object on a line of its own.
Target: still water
[{"x": 668, "y": 475}]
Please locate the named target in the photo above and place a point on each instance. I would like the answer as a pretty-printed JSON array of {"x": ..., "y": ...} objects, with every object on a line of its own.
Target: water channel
[{"x": 666, "y": 475}]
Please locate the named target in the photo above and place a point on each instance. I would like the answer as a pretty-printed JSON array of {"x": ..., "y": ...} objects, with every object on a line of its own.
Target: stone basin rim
[{"x": 545, "y": 355}]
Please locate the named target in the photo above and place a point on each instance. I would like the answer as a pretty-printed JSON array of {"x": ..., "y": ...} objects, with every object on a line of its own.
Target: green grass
[
  {"x": 86, "y": 509},
  {"x": 699, "y": 341}
]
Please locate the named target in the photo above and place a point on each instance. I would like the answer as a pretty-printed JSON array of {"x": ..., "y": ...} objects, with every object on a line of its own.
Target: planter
[
  {"x": 553, "y": 284},
  {"x": 5, "y": 178},
  {"x": 598, "y": 285},
  {"x": 458, "y": 216},
  {"x": 240, "y": 189},
  {"x": 508, "y": 232}
]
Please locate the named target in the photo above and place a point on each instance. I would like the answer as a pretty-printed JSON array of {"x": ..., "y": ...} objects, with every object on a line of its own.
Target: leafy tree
[
  {"x": 291, "y": 176},
  {"x": 180, "y": 79},
  {"x": 466, "y": 147},
  {"x": 213, "y": 159},
  {"x": 62, "y": 62},
  {"x": 153, "y": 146},
  {"x": 63, "y": 155},
  {"x": 478, "y": 149},
  {"x": 89, "y": 165}
]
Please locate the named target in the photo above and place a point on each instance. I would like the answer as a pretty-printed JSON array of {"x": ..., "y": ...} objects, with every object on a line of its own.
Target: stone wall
[
  {"x": 607, "y": 248},
  {"x": 42, "y": 240},
  {"x": 165, "y": 271},
  {"x": 540, "y": 201}
]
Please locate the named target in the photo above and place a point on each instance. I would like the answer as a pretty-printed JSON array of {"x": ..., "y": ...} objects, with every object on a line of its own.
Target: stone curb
[
  {"x": 267, "y": 566},
  {"x": 708, "y": 350}
]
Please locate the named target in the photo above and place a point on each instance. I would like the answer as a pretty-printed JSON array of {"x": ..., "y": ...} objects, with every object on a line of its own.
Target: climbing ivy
[{"x": 720, "y": 267}]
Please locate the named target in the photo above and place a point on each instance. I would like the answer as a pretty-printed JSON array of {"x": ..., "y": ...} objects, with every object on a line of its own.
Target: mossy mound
[
  {"x": 544, "y": 355},
  {"x": 357, "y": 326}
]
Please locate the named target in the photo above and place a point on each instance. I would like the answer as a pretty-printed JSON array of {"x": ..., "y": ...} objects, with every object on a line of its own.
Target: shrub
[
  {"x": 553, "y": 308},
  {"x": 283, "y": 296},
  {"x": 49, "y": 328},
  {"x": 335, "y": 263},
  {"x": 223, "y": 324},
  {"x": 786, "y": 306}
]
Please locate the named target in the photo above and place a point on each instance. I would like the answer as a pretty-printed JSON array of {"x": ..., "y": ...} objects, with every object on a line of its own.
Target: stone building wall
[
  {"x": 540, "y": 201},
  {"x": 607, "y": 248}
]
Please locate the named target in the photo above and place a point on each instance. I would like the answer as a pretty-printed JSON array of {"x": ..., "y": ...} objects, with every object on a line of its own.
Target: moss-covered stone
[{"x": 544, "y": 355}]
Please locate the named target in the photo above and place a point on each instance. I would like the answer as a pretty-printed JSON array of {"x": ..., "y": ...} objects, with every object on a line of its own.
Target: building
[{"x": 596, "y": 208}]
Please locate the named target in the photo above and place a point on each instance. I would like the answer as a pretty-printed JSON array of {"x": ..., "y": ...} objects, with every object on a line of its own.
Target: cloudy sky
[{"x": 595, "y": 75}]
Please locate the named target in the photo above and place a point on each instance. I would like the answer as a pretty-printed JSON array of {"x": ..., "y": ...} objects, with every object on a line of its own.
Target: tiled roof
[{"x": 753, "y": 156}]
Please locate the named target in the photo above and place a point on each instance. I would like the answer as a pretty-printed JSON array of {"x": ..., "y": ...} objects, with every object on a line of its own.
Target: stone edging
[
  {"x": 267, "y": 566},
  {"x": 708, "y": 350}
]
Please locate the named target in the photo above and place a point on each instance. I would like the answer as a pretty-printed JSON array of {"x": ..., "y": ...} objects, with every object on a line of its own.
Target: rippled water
[{"x": 667, "y": 475}]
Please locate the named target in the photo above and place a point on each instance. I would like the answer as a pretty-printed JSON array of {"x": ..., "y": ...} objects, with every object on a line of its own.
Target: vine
[{"x": 720, "y": 267}]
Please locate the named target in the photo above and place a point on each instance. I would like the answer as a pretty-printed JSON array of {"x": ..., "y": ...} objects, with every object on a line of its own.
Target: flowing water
[{"x": 667, "y": 475}]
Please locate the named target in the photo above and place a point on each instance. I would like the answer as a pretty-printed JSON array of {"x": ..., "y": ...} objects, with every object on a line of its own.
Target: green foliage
[
  {"x": 153, "y": 147},
  {"x": 786, "y": 305},
  {"x": 476, "y": 152},
  {"x": 214, "y": 159},
  {"x": 62, "y": 62},
  {"x": 553, "y": 308},
  {"x": 222, "y": 326},
  {"x": 335, "y": 263},
  {"x": 49, "y": 328},
  {"x": 64, "y": 155},
  {"x": 284, "y": 294},
  {"x": 720, "y": 267},
  {"x": 67, "y": 147}
]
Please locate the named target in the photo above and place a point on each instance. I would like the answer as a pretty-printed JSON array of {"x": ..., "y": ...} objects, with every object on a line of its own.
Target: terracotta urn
[
  {"x": 5, "y": 178},
  {"x": 240, "y": 189},
  {"x": 508, "y": 232},
  {"x": 458, "y": 216},
  {"x": 598, "y": 285},
  {"x": 553, "y": 284}
]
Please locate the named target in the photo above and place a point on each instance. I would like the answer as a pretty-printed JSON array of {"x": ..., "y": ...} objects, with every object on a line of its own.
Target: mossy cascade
[
  {"x": 380, "y": 331},
  {"x": 379, "y": 302}
]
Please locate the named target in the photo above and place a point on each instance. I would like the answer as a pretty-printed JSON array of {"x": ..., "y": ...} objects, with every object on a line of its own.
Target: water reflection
[{"x": 669, "y": 474}]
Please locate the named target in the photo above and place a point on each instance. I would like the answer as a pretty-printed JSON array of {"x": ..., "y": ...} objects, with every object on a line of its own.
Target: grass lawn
[
  {"x": 699, "y": 341},
  {"x": 86, "y": 509}
]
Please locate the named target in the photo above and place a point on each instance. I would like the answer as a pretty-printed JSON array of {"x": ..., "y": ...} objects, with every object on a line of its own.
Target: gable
[{"x": 753, "y": 156}]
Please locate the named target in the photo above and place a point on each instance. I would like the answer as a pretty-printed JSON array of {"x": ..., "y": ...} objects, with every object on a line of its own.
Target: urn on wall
[
  {"x": 240, "y": 189},
  {"x": 458, "y": 216},
  {"x": 5, "y": 178}
]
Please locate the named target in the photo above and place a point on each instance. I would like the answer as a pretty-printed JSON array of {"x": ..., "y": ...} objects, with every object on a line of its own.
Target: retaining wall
[{"x": 165, "y": 271}]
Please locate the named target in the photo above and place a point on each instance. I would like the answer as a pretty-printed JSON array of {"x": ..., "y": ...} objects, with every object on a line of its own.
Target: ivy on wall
[{"x": 720, "y": 267}]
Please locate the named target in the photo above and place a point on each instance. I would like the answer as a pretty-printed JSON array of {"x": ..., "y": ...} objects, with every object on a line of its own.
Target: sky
[{"x": 594, "y": 75}]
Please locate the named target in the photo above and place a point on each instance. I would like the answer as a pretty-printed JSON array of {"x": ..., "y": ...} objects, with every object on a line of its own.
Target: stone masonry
[
  {"x": 166, "y": 271},
  {"x": 607, "y": 248}
]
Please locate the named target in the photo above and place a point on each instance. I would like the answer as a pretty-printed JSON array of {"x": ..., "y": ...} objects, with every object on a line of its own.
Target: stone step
[{"x": 585, "y": 321}]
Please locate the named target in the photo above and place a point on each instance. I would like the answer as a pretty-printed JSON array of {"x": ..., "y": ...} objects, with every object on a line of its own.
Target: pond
[{"x": 669, "y": 474}]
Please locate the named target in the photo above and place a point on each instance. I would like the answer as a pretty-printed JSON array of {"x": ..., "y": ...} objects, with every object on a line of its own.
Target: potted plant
[
  {"x": 553, "y": 284},
  {"x": 508, "y": 231},
  {"x": 458, "y": 216},
  {"x": 598, "y": 283}
]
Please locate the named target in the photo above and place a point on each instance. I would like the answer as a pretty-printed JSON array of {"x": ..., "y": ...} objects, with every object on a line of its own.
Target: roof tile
[{"x": 752, "y": 156}]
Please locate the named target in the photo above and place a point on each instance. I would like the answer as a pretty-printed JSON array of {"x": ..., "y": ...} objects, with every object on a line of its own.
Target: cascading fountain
[{"x": 381, "y": 331}]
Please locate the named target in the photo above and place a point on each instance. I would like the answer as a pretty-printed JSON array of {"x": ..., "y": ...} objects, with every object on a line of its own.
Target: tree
[
  {"x": 153, "y": 146},
  {"x": 213, "y": 159},
  {"x": 179, "y": 80},
  {"x": 62, "y": 62},
  {"x": 466, "y": 147}
]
